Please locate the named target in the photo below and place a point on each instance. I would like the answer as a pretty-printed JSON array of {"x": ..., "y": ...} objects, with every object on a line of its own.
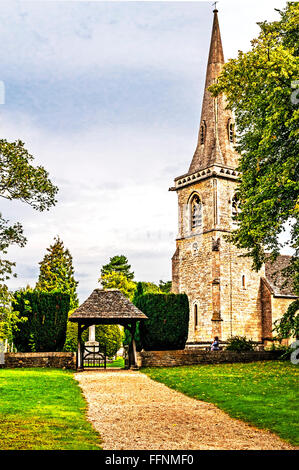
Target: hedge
[
  {"x": 167, "y": 324},
  {"x": 45, "y": 315}
]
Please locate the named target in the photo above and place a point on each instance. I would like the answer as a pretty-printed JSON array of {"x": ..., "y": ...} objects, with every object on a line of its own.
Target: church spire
[{"x": 215, "y": 140}]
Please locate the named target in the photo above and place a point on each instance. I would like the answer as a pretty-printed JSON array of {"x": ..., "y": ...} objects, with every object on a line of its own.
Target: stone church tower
[{"x": 224, "y": 293}]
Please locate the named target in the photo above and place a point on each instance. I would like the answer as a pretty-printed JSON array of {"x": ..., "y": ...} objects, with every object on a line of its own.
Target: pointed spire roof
[{"x": 213, "y": 145}]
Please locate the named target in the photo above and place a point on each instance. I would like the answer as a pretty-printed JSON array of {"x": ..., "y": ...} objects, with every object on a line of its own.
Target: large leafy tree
[
  {"x": 165, "y": 286},
  {"x": 19, "y": 180},
  {"x": 260, "y": 88},
  {"x": 118, "y": 280},
  {"x": 118, "y": 264},
  {"x": 57, "y": 272}
]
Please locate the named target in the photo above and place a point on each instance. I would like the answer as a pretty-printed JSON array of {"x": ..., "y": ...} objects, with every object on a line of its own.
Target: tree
[
  {"x": 108, "y": 336},
  {"x": 57, "y": 272},
  {"x": 118, "y": 263},
  {"x": 44, "y": 316},
  {"x": 19, "y": 180},
  {"x": 165, "y": 286},
  {"x": 118, "y": 280},
  {"x": 259, "y": 87}
]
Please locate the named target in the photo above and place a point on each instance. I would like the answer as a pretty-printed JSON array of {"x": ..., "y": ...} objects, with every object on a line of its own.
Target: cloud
[
  {"x": 113, "y": 198},
  {"x": 107, "y": 97}
]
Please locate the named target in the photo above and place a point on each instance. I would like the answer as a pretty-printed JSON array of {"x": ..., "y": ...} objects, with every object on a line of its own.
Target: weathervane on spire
[{"x": 215, "y": 6}]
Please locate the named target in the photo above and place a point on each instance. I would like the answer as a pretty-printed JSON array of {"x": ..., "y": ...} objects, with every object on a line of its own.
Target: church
[{"x": 226, "y": 297}]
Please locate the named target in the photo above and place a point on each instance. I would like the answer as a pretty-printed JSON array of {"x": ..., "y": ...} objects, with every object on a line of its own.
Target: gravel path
[{"x": 131, "y": 412}]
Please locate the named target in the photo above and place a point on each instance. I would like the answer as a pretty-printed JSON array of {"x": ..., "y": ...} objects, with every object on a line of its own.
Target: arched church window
[
  {"x": 235, "y": 206},
  {"x": 196, "y": 212},
  {"x": 195, "y": 316},
  {"x": 230, "y": 131}
]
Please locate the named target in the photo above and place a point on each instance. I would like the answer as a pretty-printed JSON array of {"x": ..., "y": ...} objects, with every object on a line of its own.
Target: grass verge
[
  {"x": 264, "y": 394},
  {"x": 43, "y": 409}
]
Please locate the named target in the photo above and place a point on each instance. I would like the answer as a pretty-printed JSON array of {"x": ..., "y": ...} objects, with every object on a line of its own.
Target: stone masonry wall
[
  {"x": 59, "y": 360},
  {"x": 210, "y": 270},
  {"x": 186, "y": 357}
]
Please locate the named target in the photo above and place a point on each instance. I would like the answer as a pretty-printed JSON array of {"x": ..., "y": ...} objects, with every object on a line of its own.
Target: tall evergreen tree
[
  {"x": 118, "y": 264},
  {"x": 57, "y": 272}
]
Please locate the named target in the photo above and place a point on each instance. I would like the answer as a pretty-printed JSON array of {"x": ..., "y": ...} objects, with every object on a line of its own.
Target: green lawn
[
  {"x": 264, "y": 394},
  {"x": 119, "y": 362},
  {"x": 43, "y": 409}
]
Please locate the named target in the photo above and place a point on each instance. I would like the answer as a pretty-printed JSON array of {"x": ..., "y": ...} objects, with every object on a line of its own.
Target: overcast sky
[{"x": 107, "y": 96}]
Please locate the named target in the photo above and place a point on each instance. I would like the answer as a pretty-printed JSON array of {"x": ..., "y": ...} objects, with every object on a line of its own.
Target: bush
[
  {"x": 285, "y": 350},
  {"x": 45, "y": 315},
  {"x": 128, "y": 337},
  {"x": 109, "y": 338},
  {"x": 71, "y": 340},
  {"x": 239, "y": 343},
  {"x": 167, "y": 324}
]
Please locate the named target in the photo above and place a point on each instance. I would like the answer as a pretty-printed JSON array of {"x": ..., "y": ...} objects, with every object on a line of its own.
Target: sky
[{"x": 107, "y": 97}]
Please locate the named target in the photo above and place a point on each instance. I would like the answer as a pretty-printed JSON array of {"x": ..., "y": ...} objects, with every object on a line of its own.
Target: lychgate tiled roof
[
  {"x": 107, "y": 304},
  {"x": 275, "y": 278}
]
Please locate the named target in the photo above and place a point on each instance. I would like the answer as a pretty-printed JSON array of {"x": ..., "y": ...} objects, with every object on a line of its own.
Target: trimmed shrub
[
  {"x": 239, "y": 343},
  {"x": 45, "y": 315},
  {"x": 167, "y": 324},
  {"x": 109, "y": 338}
]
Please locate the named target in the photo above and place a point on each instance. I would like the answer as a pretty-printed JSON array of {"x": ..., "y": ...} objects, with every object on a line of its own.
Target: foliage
[
  {"x": 261, "y": 87},
  {"x": 288, "y": 325},
  {"x": 165, "y": 286},
  {"x": 44, "y": 410},
  {"x": 138, "y": 292},
  {"x": 259, "y": 393},
  {"x": 71, "y": 338},
  {"x": 118, "y": 264},
  {"x": 239, "y": 343},
  {"x": 8, "y": 235},
  {"x": 9, "y": 319},
  {"x": 150, "y": 288},
  {"x": 118, "y": 280},
  {"x": 109, "y": 338},
  {"x": 19, "y": 180},
  {"x": 57, "y": 272},
  {"x": 167, "y": 324},
  {"x": 128, "y": 337},
  {"x": 46, "y": 320},
  {"x": 285, "y": 350}
]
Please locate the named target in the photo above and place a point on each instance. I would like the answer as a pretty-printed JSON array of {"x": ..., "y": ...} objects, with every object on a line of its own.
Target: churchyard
[
  {"x": 45, "y": 408},
  {"x": 206, "y": 361}
]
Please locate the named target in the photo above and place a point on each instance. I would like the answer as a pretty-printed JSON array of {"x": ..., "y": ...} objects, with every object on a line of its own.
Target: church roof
[
  {"x": 275, "y": 278},
  {"x": 215, "y": 118},
  {"x": 105, "y": 305}
]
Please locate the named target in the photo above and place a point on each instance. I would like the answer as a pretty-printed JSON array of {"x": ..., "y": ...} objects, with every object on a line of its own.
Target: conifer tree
[
  {"x": 57, "y": 272},
  {"x": 118, "y": 263}
]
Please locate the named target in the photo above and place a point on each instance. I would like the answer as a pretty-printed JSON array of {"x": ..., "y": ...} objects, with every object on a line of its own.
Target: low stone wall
[
  {"x": 58, "y": 360},
  {"x": 188, "y": 357}
]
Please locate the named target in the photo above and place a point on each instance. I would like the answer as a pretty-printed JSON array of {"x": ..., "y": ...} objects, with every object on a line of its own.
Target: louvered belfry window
[
  {"x": 202, "y": 135},
  {"x": 235, "y": 208},
  {"x": 196, "y": 213},
  {"x": 231, "y": 132}
]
